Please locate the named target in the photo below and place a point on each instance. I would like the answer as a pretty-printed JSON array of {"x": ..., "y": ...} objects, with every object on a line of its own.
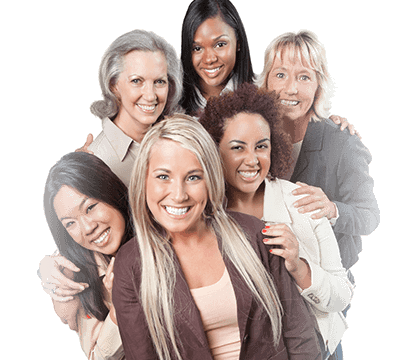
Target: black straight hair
[
  {"x": 92, "y": 177},
  {"x": 199, "y": 11}
]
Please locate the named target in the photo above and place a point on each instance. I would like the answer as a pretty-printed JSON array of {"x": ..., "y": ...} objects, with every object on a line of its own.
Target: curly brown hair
[{"x": 252, "y": 100}]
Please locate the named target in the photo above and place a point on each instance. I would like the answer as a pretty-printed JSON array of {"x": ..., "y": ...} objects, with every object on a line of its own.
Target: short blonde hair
[{"x": 305, "y": 47}]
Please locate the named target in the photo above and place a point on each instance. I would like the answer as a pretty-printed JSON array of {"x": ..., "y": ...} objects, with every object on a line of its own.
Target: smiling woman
[{"x": 88, "y": 214}]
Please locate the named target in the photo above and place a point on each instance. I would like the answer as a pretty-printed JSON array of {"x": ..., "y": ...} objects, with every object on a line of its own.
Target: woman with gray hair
[
  {"x": 197, "y": 282},
  {"x": 141, "y": 82},
  {"x": 331, "y": 166}
]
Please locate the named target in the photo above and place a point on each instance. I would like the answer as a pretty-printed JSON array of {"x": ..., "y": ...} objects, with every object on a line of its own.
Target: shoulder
[
  {"x": 97, "y": 142},
  {"x": 127, "y": 255},
  {"x": 246, "y": 221}
]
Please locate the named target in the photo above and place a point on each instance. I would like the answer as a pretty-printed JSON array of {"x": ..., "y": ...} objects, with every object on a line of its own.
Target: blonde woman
[{"x": 197, "y": 282}]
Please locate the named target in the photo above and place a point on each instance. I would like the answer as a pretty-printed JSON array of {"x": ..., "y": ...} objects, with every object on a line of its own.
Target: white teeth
[
  {"x": 146, "y": 108},
  {"x": 248, "y": 174},
  {"x": 211, "y": 71},
  {"x": 289, "y": 103},
  {"x": 102, "y": 237},
  {"x": 176, "y": 211}
]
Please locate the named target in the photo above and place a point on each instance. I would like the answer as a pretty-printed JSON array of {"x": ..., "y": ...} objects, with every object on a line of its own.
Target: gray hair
[
  {"x": 112, "y": 64},
  {"x": 305, "y": 47}
]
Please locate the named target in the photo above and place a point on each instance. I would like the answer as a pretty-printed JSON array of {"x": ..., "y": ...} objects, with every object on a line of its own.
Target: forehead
[
  {"x": 291, "y": 54},
  {"x": 145, "y": 62},
  {"x": 172, "y": 155},
  {"x": 212, "y": 28},
  {"x": 67, "y": 200},
  {"x": 246, "y": 125}
]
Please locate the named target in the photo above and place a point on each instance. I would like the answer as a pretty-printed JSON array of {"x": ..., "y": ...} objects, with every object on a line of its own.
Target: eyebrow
[
  {"x": 79, "y": 208},
  {"x": 169, "y": 171},
  {"x": 242, "y": 142},
  {"x": 215, "y": 39}
]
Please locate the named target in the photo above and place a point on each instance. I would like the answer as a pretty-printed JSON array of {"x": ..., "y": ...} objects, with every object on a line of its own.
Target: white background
[{"x": 50, "y": 53}]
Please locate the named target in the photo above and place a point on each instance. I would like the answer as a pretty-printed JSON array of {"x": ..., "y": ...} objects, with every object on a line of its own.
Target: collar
[
  {"x": 229, "y": 87},
  {"x": 274, "y": 206},
  {"x": 117, "y": 138}
]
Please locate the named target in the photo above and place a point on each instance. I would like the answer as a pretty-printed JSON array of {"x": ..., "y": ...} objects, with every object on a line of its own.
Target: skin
[
  {"x": 176, "y": 195},
  {"x": 142, "y": 89},
  {"x": 296, "y": 86},
  {"x": 91, "y": 223},
  {"x": 215, "y": 47},
  {"x": 245, "y": 146}
]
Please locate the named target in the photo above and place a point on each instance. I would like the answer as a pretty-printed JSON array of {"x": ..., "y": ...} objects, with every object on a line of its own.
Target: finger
[
  {"x": 304, "y": 189},
  {"x": 60, "y": 298},
  {"x": 66, "y": 292},
  {"x": 89, "y": 141},
  {"x": 344, "y": 124},
  {"x": 320, "y": 214},
  {"x": 67, "y": 283},
  {"x": 336, "y": 119},
  {"x": 307, "y": 200},
  {"x": 351, "y": 128},
  {"x": 358, "y": 134},
  {"x": 65, "y": 263},
  {"x": 110, "y": 268},
  {"x": 317, "y": 205}
]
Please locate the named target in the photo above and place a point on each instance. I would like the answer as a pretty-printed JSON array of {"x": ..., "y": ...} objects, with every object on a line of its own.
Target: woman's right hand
[
  {"x": 84, "y": 147},
  {"x": 55, "y": 273}
]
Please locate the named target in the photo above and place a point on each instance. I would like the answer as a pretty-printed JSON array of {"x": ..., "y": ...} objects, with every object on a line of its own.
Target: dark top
[
  {"x": 338, "y": 163},
  {"x": 298, "y": 340}
]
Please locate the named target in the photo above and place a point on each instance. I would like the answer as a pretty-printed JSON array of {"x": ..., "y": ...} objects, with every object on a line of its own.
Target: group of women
[{"x": 179, "y": 233}]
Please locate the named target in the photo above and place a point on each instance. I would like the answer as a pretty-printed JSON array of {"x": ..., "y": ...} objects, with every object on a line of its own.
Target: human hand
[
  {"x": 288, "y": 245},
  {"x": 344, "y": 124},
  {"x": 55, "y": 273},
  {"x": 68, "y": 311},
  {"x": 109, "y": 278},
  {"x": 317, "y": 200},
  {"x": 84, "y": 147}
]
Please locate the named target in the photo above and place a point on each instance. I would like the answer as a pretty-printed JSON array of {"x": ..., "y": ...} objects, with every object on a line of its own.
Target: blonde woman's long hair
[
  {"x": 156, "y": 254},
  {"x": 305, "y": 47}
]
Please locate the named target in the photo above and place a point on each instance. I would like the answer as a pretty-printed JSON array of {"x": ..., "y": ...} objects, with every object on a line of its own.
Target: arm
[
  {"x": 358, "y": 209},
  {"x": 130, "y": 316},
  {"x": 298, "y": 324},
  {"x": 330, "y": 291},
  {"x": 101, "y": 340}
]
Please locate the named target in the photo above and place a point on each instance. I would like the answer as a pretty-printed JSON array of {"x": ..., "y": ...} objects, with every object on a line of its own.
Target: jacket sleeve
[
  {"x": 330, "y": 291},
  {"x": 130, "y": 316},
  {"x": 299, "y": 327},
  {"x": 357, "y": 206}
]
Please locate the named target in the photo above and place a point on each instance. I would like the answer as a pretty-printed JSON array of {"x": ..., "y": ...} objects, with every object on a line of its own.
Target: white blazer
[{"x": 331, "y": 291}]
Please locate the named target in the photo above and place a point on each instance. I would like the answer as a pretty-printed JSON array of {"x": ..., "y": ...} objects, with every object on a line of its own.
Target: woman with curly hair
[{"x": 256, "y": 153}]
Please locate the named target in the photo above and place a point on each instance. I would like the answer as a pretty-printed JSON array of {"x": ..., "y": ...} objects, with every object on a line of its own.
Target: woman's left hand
[
  {"x": 344, "y": 124},
  {"x": 108, "y": 283},
  {"x": 281, "y": 235},
  {"x": 317, "y": 200}
]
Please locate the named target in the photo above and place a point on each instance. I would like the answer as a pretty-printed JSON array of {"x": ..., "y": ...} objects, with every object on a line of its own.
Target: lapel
[
  {"x": 313, "y": 141},
  {"x": 186, "y": 311}
]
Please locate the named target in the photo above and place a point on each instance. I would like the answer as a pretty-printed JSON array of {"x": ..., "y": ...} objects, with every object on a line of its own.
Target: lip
[
  {"x": 289, "y": 102},
  {"x": 149, "y": 109},
  {"x": 105, "y": 236},
  {"x": 177, "y": 212},
  {"x": 212, "y": 72},
  {"x": 249, "y": 175}
]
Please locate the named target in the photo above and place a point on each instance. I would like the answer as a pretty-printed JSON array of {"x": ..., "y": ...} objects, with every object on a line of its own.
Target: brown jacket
[{"x": 298, "y": 340}]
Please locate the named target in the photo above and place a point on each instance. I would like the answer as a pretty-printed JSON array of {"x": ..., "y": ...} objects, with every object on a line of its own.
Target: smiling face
[
  {"x": 245, "y": 151},
  {"x": 91, "y": 223},
  {"x": 214, "y": 54},
  {"x": 296, "y": 86},
  {"x": 142, "y": 89},
  {"x": 176, "y": 192}
]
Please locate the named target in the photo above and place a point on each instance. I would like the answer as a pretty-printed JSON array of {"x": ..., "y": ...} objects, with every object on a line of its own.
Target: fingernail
[
  {"x": 301, "y": 210},
  {"x": 264, "y": 231},
  {"x": 265, "y": 240},
  {"x": 271, "y": 250}
]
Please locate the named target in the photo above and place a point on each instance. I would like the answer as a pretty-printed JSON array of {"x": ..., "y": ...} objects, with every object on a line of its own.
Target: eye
[
  {"x": 160, "y": 82},
  {"x": 236, "y": 147},
  {"x": 304, "y": 77},
  {"x": 221, "y": 44},
  {"x": 89, "y": 208},
  {"x": 136, "y": 81},
  {"x": 162, "y": 177},
  {"x": 194, "y": 177},
  {"x": 68, "y": 224},
  {"x": 196, "y": 48},
  {"x": 262, "y": 146},
  {"x": 280, "y": 75}
]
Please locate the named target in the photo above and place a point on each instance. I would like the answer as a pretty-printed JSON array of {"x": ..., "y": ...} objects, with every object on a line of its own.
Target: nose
[
  {"x": 179, "y": 192},
  {"x": 251, "y": 158},
  {"x": 149, "y": 93},
  {"x": 87, "y": 225},
  {"x": 291, "y": 87},
  {"x": 210, "y": 56}
]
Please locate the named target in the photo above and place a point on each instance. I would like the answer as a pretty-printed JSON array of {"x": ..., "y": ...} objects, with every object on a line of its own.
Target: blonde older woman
[
  {"x": 332, "y": 167},
  {"x": 197, "y": 282}
]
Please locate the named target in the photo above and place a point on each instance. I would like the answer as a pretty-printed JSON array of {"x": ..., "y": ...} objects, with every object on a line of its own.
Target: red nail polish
[
  {"x": 88, "y": 317},
  {"x": 270, "y": 250}
]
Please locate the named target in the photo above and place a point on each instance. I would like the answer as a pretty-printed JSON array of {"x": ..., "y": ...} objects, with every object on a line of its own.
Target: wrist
[{"x": 302, "y": 275}]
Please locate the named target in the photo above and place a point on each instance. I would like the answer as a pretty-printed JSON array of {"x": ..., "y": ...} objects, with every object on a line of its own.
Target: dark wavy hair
[
  {"x": 252, "y": 100},
  {"x": 199, "y": 11},
  {"x": 92, "y": 177}
]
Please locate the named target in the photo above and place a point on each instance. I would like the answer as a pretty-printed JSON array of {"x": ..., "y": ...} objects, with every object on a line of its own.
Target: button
[
  {"x": 314, "y": 298},
  {"x": 245, "y": 338}
]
